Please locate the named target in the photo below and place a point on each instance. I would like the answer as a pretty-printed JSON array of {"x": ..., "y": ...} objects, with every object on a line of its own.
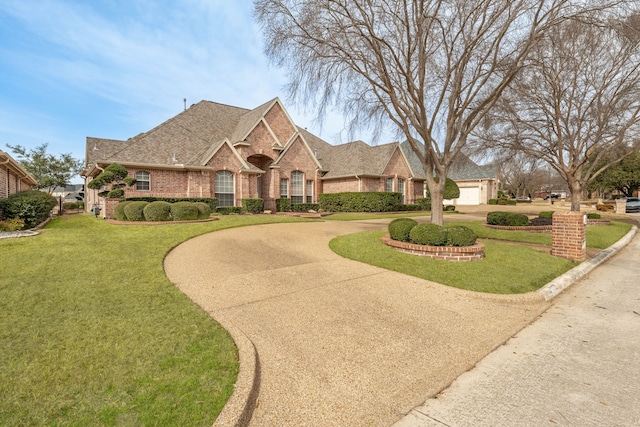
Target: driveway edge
[
  {"x": 560, "y": 283},
  {"x": 239, "y": 408}
]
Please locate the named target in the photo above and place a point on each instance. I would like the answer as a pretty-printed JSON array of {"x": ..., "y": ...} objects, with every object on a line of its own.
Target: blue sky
[{"x": 115, "y": 68}]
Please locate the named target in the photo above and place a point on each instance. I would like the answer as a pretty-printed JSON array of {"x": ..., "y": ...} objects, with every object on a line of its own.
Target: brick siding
[{"x": 569, "y": 236}]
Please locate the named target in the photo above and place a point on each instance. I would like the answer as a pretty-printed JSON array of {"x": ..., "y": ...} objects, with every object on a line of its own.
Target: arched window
[
  {"x": 143, "y": 181},
  {"x": 224, "y": 188},
  {"x": 297, "y": 187}
]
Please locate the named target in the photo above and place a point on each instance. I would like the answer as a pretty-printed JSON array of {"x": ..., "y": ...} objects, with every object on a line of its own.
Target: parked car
[{"x": 633, "y": 204}]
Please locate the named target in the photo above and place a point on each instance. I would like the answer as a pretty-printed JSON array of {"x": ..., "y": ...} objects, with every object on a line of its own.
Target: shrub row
[
  {"x": 253, "y": 206},
  {"x": 31, "y": 206},
  {"x": 408, "y": 230},
  {"x": 502, "y": 201},
  {"x": 227, "y": 210},
  {"x": 212, "y": 202},
  {"x": 305, "y": 207},
  {"x": 360, "y": 202},
  {"x": 507, "y": 219},
  {"x": 130, "y": 210}
]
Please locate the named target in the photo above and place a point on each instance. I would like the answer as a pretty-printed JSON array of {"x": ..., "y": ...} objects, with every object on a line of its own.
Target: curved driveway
[{"x": 339, "y": 342}]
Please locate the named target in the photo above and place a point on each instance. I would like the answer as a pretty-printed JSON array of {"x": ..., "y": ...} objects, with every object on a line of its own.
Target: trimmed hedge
[
  {"x": 118, "y": 211},
  {"x": 157, "y": 211},
  {"x": 424, "y": 203},
  {"x": 283, "y": 205},
  {"x": 409, "y": 208},
  {"x": 400, "y": 228},
  {"x": 212, "y": 202},
  {"x": 492, "y": 202},
  {"x": 545, "y": 214},
  {"x": 448, "y": 208},
  {"x": 540, "y": 221},
  {"x": 428, "y": 234},
  {"x": 31, "y": 206},
  {"x": 226, "y": 210},
  {"x": 254, "y": 206},
  {"x": 360, "y": 202},
  {"x": 184, "y": 211},
  {"x": 460, "y": 235},
  {"x": 204, "y": 210},
  {"x": 305, "y": 207},
  {"x": 134, "y": 211},
  {"x": 507, "y": 219},
  {"x": 593, "y": 215}
]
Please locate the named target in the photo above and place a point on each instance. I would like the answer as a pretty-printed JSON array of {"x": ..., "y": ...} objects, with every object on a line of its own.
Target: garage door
[{"x": 469, "y": 196}]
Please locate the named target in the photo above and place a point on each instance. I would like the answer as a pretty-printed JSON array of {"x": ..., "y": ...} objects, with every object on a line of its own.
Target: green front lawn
[
  {"x": 93, "y": 333},
  {"x": 508, "y": 268}
]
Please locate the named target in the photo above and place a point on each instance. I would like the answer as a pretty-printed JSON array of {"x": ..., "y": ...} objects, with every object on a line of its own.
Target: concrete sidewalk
[
  {"x": 578, "y": 365},
  {"x": 328, "y": 341}
]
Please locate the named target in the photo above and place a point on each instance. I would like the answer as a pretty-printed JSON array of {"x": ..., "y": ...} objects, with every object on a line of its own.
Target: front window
[
  {"x": 401, "y": 188},
  {"x": 143, "y": 181},
  {"x": 224, "y": 188},
  {"x": 297, "y": 187},
  {"x": 284, "y": 188},
  {"x": 309, "y": 191},
  {"x": 389, "y": 185}
]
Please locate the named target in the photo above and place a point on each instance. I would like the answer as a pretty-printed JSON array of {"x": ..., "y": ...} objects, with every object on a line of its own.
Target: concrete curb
[
  {"x": 239, "y": 408},
  {"x": 559, "y": 284}
]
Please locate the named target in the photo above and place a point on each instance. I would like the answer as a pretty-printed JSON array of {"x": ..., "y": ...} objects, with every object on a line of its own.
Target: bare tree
[
  {"x": 522, "y": 175},
  {"x": 577, "y": 103},
  {"x": 431, "y": 69}
]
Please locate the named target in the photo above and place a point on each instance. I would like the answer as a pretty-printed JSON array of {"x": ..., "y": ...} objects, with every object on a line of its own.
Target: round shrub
[
  {"x": 460, "y": 236},
  {"x": 546, "y": 214},
  {"x": 204, "y": 210},
  {"x": 157, "y": 211},
  {"x": 184, "y": 211},
  {"x": 399, "y": 228},
  {"x": 118, "y": 211},
  {"x": 116, "y": 193},
  {"x": 134, "y": 211},
  {"x": 517, "y": 220},
  {"x": 497, "y": 218},
  {"x": 428, "y": 234}
]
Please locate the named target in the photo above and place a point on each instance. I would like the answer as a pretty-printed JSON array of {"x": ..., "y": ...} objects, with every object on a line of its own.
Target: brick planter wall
[
  {"x": 448, "y": 253},
  {"x": 569, "y": 236},
  {"x": 598, "y": 221},
  {"x": 530, "y": 228}
]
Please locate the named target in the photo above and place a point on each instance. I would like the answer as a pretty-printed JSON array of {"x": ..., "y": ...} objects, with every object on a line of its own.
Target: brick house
[
  {"x": 232, "y": 153},
  {"x": 13, "y": 177}
]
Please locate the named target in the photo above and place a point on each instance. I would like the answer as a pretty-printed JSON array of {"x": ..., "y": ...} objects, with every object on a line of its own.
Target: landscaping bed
[{"x": 448, "y": 253}]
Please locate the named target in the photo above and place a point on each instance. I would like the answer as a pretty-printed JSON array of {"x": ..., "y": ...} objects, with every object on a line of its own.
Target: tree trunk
[
  {"x": 576, "y": 191},
  {"x": 437, "y": 198}
]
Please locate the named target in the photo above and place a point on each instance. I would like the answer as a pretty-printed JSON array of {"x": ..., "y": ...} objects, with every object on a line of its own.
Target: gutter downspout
[{"x": 359, "y": 184}]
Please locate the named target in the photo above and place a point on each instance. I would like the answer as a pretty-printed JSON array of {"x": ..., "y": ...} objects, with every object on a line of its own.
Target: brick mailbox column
[{"x": 569, "y": 236}]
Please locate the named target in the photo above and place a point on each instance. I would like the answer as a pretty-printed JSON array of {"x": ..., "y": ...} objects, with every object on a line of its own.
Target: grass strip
[{"x": 93, "y": 333}]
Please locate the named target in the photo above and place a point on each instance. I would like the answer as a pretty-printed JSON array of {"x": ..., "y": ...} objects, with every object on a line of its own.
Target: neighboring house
[
  {"x": 231, "y": 153},
  {"x": 477, "y": 183},
  {"x": 13, "y": 177},
  {"x": 70, "y": 193}
]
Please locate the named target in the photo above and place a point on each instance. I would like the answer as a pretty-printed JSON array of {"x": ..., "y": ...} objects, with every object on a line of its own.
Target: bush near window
[
  {"x": 459, "y": 235},
  {"x": 184, "y": 211},
  {"x": 134, "y": 211},
  {"x": 31, "y": 206},
  {"x": 212, "y": 202},
  {"x": 283, "y": 205},
  {"x": 157, "y": 211},
  {"x": 424, "y": 203},
  {"x": 400, "y": 228},
  {"x": 428, "y": 234},
  {"x": 305, "y": 207},
  {"x": 13, "y": 224},
  {"x": 360, "y": 202},
  {"x": 253, "y": 206},
  {"x": 226, "y": 210},
  {"x": 204, "y": 210}
]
